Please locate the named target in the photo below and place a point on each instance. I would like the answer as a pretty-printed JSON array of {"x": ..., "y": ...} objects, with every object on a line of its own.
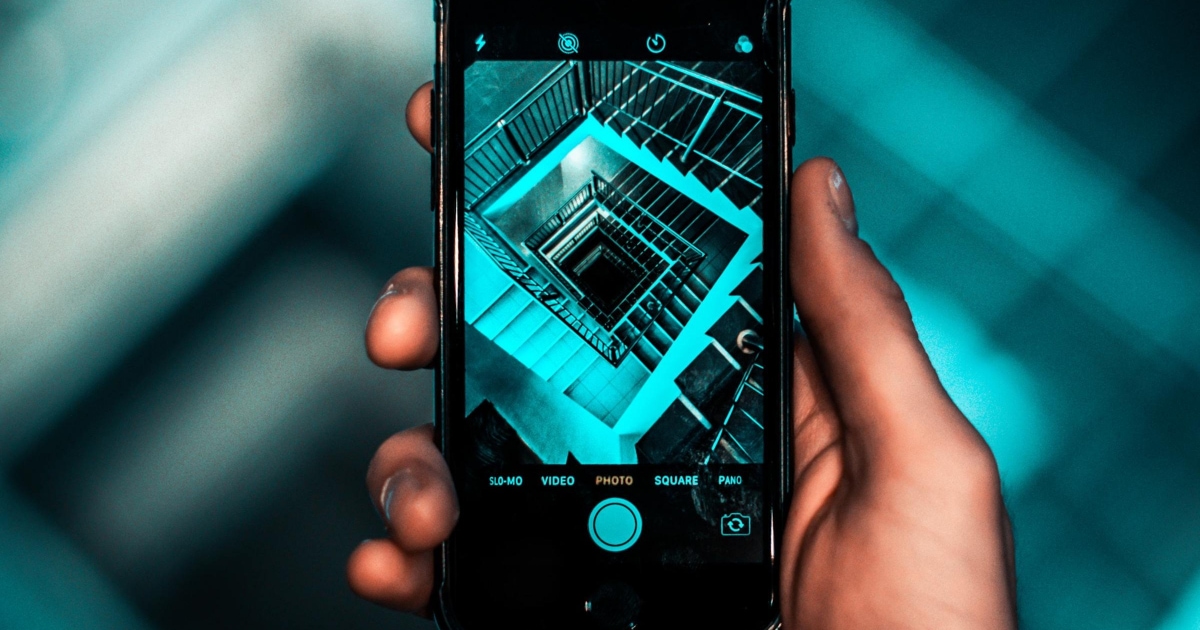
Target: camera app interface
[{"x": 613, "y": 317}]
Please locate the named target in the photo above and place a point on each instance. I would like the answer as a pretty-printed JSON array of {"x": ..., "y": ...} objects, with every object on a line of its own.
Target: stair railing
[
  {"x": 644, "y": 222},
  {"x": 521, "y": 131},
  {"x": 718, "y": 129},
  {"x": 744, "y": 384},
  {"x": 610, "y": 347},
  {"x": 577, "y": 202},
  {"x": 505, "y": 258}
]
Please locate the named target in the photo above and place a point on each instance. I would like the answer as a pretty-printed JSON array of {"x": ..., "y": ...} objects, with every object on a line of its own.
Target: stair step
[
  {"x": 671, "y": 207},
  {"x": 746, "y": 433},
  {"x": 626, "y": 332},
  {"x": 699, "y": 223},
  {"x": 688, "y": 297},
  {"x": 679, "y": 310},
  {"x": 670, "y": 323},
  {"x": 729, "y": 451},
  {"x": 579, "y": 362},
  {"x": 647, "y": 354},
  {"x": 526, "y": 324},
  {"x": 639, "y": 134},
  {"x": 627, "y": 172},
  {"x": 557, "y": 355},
  {"x": 696, "y": 285},
  {"x": 488, "y": 284},
  {"x": 656, "y": 197},
  {"x": 751, "y": 403},
  {"x": 659, "y": 338},
  {"x": 494, "y": 320},
  {"x": 639, "y": 318},
  {"x": 660, "y": 146},
  {"x": 688, "y": 214},
  {"x": 740, "y": 192},
  {"x": 672, "y": 110},
  {"x": 548, "y": 334}
]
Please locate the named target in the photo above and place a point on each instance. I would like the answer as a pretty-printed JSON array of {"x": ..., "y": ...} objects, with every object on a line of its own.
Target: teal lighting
[
  {"x": 987, "y": 149},
  {"x": 1185, "y": 613},
  {"x": 48, "y": 583},
  {"x": 991, "y": 387}
]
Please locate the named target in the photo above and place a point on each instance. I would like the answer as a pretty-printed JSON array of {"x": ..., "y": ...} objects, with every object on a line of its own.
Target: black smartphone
[{"x": 613, "y": 386}]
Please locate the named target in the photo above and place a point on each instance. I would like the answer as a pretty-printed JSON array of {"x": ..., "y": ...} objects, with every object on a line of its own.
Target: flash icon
[{"x": 480, "y": 43}]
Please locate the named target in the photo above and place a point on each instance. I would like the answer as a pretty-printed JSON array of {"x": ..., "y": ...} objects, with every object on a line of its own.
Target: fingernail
[
  {"x": 400, "y": 485},
  {"x": 841, "y": 201},
  {"x": 388, "y": 292}
]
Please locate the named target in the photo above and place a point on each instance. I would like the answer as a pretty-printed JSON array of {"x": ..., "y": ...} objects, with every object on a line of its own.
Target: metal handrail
[
  {"x": 578, "y": 201},
  {"x": 611, "y": 349},
  {"x": 682, "y": 258},
  {"x": 720, "y": 85},
  {"x": 721, "y": 99},
  {"x": 685, "y": 253},
  {"x": 626, "y": 304},
  {"x": 612, "y": 191},
  {"x": 509, "y": 142},
  {"x": 737, "y": 398},
  {"x": 521, "y": 104}
]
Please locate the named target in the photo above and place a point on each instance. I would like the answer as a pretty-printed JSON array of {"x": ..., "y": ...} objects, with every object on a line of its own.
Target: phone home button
[
  {"x": 613, "y": 606},
  {"x": 615, "y": 524}
]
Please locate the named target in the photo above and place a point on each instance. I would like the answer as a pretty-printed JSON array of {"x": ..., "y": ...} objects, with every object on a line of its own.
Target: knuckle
[{"x": 977, "y": 470}]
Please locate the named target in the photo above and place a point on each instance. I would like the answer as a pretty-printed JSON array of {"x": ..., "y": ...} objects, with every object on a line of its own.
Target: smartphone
[{"x": 613, "y": 387}]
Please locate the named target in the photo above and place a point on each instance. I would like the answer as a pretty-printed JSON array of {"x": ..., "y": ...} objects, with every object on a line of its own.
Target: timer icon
[{"x": 657, "y": 43}]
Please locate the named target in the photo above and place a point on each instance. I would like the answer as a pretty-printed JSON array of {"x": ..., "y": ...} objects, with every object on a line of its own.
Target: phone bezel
[{"x": 446, "y": 195}]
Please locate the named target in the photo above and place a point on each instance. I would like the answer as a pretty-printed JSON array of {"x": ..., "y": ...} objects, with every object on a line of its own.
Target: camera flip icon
[{"x": 735, "y": 524}]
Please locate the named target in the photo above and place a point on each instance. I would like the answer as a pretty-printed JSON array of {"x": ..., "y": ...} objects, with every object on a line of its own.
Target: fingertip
[
  {"x": 824, "y": 246},
  {"x": 372, "y": 568},
  {"x": 424, "y": 509},
  {"x": 821, "y": 193},
  {"x": 420, "y": 115},
  {"x": 380, "y": 572},
  {"x": 811, "y": 171},
  {"x": 413, "y": 490},
  {"x": 405, "y": 448},
  {"x": 402, "y": 331}
]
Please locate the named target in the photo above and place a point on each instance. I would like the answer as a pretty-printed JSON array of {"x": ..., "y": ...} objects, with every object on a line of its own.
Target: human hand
[{"x": 896, "y": 520}]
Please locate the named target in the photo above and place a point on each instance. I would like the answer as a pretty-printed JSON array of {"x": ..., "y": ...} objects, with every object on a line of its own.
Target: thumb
[{"x": 883, "y": 386}]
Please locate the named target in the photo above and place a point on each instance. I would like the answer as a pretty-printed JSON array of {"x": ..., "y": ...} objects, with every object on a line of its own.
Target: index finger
[{"x": 420, "y": 115}]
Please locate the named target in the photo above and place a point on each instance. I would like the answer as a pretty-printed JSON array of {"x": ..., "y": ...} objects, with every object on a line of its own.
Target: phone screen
[{"x": 616, "y": 346}]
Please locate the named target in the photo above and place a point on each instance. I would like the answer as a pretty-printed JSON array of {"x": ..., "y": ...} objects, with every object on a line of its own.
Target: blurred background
[{"x": 200, "y": 200}]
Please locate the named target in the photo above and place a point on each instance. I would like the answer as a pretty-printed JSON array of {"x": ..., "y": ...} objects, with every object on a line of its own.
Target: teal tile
[
  {"x": 1089, "y": 367},
  {"x": 926, "y": 12}
]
